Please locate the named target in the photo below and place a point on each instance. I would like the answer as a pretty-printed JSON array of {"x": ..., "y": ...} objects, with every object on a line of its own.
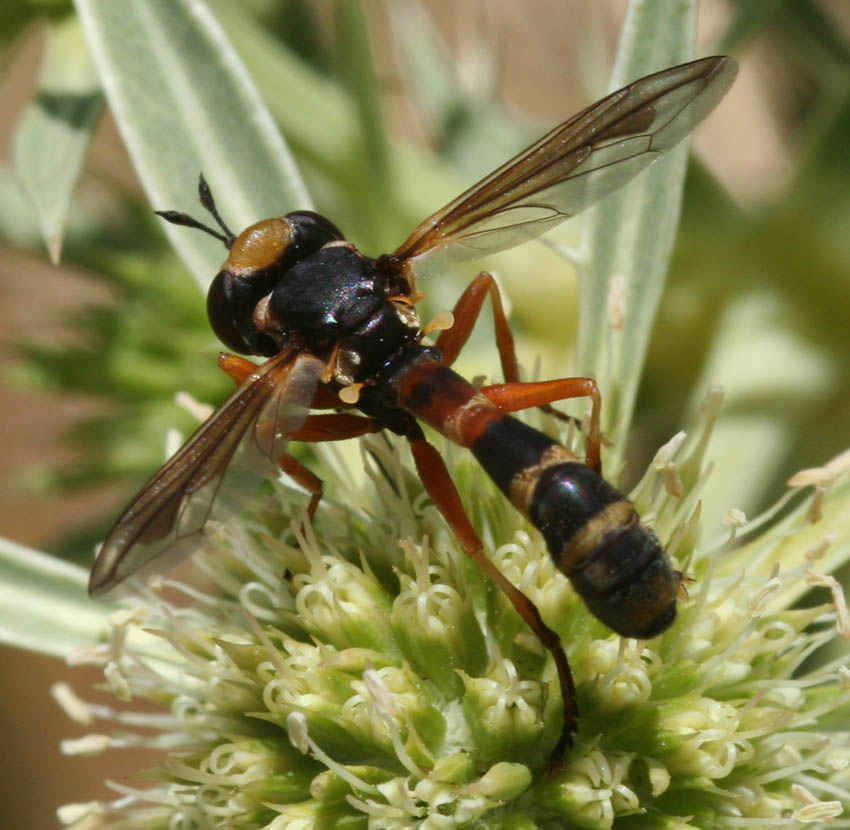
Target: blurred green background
[{"x": 391, "y": 109}]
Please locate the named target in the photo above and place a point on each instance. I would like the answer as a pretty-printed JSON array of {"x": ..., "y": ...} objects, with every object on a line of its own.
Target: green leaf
[
  {"x": 628, "y": 238},
  {"x": 322, "y": 125},
  {"x": 315, "y": 114},
  {"x": 53, "y": 133},
  {"x": 44, "y": 605},
  {"x": 355, "y": 66},
  {"x": 184, "y": 103}
]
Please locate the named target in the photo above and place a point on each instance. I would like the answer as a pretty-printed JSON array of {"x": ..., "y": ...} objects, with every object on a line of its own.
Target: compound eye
[
  {"x": 231, "y": 301},
  {"x": 312, "y": 230}
]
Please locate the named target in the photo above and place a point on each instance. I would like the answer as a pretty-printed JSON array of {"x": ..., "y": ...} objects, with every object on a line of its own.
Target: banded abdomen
[{"x": 595, "y": 537}]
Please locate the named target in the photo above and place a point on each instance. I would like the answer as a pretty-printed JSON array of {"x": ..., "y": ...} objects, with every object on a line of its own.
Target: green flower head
[
  {"x": 358, "y": 671},
  {"x": 362, "y": 673}
]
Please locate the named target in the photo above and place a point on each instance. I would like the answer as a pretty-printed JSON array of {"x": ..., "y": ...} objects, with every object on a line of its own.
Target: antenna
[{"x": 206, "y": 197}]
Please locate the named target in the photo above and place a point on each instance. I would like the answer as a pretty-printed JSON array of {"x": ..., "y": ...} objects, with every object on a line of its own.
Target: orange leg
[
  {"x": 325, "y": 399},
  {"x": 441, "y": 488},
  {"x": 334, "y": 427},
  {"x": 512, "y": 397},
  {"x": 238, "y": 369},
  {"x": 306, "y": 478},
  {"x": 316, "y": 428},
  {"x": 466, "y": 312}
]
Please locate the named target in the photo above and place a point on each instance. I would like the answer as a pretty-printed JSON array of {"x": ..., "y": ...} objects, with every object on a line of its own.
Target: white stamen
[
  {"x": 672, "y": 482},
  {"x": 758, "y": 603},
  {"x": 385, "y": 704},
  {"x": 842, "y": 622},
  {"x": 822, "y": 476},
  {"x": 75, "y": 813},
  {"x": 73, "y": 706},
  {"x": 814, "y": 809},
  {"x": 198, "y": 410},
  {"x": 617, "y": 302},
  {"x": 380, "y": 693},
  {"x": 174, "y": 439},
  {"x": 818, "y": 551},
  {"x": 87, "y": 745},
  {"x": 666, "y": 453},
  {"x": 296, "y": 725},
  {"x": 118, "y": 684},
  {"x": 712, "y": 401},
  {"x": 735, "y": 518}
]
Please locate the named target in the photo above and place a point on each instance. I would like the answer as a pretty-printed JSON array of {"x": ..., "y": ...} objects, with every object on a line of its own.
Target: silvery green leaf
[
  {"x": 628, "y": 238},
  {"x": 185, "y": 104},
  {"x": 38, "y": 591},
  {"x": 53, "y": 133}
]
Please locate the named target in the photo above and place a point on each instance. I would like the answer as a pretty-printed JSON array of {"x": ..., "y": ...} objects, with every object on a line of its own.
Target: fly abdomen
[
  {"x": 595, "y": 537},
  {"x": 615, "y": 563}
]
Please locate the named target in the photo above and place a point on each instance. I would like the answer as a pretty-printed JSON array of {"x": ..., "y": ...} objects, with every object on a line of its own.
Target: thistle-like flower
[{"x": 361, "y": 672}]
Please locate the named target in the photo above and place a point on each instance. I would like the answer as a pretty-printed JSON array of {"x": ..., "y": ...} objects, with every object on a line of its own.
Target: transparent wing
[
  {"x": 212, "y": 475},
  {"x": 576, "y": 164}
]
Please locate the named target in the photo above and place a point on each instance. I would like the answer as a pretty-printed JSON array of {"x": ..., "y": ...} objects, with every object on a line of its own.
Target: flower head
[{"x": 362, "y": 673}]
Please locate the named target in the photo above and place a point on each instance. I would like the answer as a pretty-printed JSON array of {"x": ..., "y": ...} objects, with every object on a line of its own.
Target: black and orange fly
[{"x": 340, "y": 331}]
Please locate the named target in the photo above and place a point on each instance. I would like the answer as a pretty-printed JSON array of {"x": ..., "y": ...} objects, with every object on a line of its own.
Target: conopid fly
[{"x": 340, "y": 331}]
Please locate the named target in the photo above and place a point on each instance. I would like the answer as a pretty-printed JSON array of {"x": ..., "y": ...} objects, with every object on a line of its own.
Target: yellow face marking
[{"x": 259, "y": 246}]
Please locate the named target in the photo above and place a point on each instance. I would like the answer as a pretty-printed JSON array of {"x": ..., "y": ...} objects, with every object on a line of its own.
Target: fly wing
[
  {"x": 576, "y": 164},
  {"x": 212, "y": 475}
]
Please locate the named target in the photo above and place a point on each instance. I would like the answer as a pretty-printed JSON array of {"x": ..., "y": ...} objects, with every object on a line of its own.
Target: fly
[{"x": 339, "y": 331}]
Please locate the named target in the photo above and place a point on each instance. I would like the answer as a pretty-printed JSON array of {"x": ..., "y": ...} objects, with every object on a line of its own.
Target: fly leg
[
  {"x": 435, "y": 476},
  {"x": 333, "y": 427},
  {"x": 512, "y": 397},
  {"x": 238, "y": 369},
  {"x": 316, "y": 428},
  {"x": 466, "y": 313}
]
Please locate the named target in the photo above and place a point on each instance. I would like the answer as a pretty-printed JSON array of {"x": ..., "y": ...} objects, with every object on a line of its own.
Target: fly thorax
[
  {"x": 367, "y": 350},
  {"x": 326, "y": 297}
]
